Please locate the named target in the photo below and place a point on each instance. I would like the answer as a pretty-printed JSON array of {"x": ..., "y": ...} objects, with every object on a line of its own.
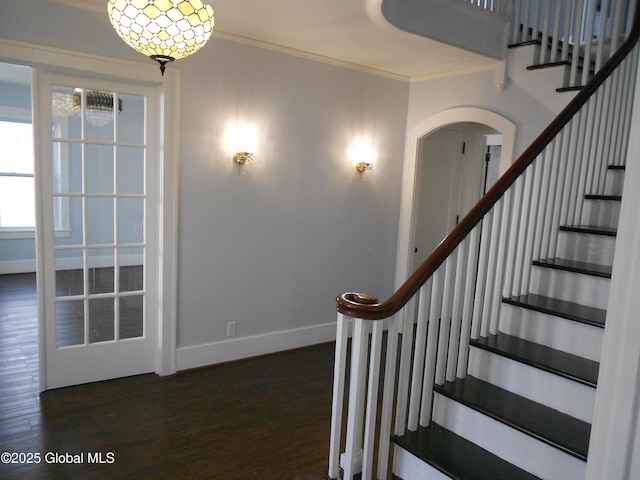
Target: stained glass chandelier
[{"x": 164, "y": 30}]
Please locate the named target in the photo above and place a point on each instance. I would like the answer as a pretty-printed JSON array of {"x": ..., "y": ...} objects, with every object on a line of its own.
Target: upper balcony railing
[{"x": 582, "y": 34}]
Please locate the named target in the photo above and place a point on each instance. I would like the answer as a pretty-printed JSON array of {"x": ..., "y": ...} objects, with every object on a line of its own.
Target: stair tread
[
  {"x": 611, "y": 198},
  {"x": 540, "y": 66},
  {"x": 576, "y": 267},
  {"x": 550, "y": 426},
  {"x": 574, "y": 88},
  {"x": 457, "y": 457},
  {"x": 611, "y": 232},
  {"x": 560, "y": 308},
  {"x": 539, "y": 356}
]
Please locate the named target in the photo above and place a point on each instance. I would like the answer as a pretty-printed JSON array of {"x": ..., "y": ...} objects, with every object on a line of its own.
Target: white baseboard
[
  {"x": 246, "y": 347},
  {"x": 17, "y": 266}
]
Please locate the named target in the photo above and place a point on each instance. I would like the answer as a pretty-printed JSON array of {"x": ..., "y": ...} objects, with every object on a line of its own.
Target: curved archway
[{"x": 407, "y": 208}]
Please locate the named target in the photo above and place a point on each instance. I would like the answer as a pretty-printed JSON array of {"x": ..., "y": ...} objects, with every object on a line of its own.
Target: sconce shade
[
  {"x": 164, "y": 30},
  {"x": 363, "y": 156}
]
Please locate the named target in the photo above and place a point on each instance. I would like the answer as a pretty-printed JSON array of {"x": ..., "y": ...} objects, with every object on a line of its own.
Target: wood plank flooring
[{"x": 265, "y": 418}]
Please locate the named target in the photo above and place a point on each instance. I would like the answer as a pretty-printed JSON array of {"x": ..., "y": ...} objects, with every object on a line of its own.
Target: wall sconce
[
  {"x": 242, "y": 157},
  {"x": 363, "y": 156},
  {"x": 242, "y": 142}
]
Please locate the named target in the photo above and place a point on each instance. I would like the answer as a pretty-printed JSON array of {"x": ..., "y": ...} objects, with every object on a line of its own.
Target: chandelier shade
[{"x": 164, "y": 30}]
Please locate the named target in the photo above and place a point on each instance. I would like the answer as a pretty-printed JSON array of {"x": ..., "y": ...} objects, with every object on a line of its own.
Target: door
[
  {"x": 97, "y": 229},
  {"x": 438, "y": 192}
]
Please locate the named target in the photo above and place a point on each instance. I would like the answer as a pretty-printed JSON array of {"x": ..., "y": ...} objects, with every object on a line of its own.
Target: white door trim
[
  {"x": 168, "y": 90},
  {"x": 439, "y": 120}
]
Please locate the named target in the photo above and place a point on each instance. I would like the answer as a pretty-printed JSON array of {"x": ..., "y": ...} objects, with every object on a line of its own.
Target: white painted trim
[
  {"x": 246, "y": 347},
  {"x": 439, "y": 120},
  {"x": 614, "y": 435},
  {"x": 168, "y": 90},
  {"x": 17, "y": 266}
]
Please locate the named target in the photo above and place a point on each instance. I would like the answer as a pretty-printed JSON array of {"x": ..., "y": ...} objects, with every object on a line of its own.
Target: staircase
[
  {"x": 524, "y": 409},
  {"x": 490, "y": 365}
]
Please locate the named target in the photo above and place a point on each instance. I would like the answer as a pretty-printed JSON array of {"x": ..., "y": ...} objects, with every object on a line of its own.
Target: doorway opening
[
  {"x": 486, "y": 123},
  {"x": 18, "y": 294},
  {"x": 456, "y": 164}
]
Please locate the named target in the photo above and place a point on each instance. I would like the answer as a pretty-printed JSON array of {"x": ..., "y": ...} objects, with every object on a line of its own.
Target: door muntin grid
[{"x": 99, "y": 216}]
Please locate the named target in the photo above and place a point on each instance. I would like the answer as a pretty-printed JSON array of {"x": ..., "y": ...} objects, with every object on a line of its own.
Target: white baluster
[
  {"x": 418, "y": 357},
  {"x": 339, "y": 372},
  {"x": 476, "y": 319},
  {"x": 389, "y": 386},
  {"x": 469, "y": 289},
  {"x": 456, "y": 315},
  {"x": 405, "y": 365},
  {"x": 445, "y": 320},
  {"x": 355, "y": 413},
  {"x": 577, "y": 38},
  {"x": 490, "y": 284},
  {"x": 432, "y": 345},
  {"x": 372, "y": 399}
]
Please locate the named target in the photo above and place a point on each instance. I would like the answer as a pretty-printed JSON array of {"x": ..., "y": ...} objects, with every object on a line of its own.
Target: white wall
[
  {"x": 271, "y": 249},
  {"x": 477, "y": 89}
]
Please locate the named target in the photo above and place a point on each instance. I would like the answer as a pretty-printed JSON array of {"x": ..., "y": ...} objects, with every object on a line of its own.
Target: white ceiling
[{"x": 351, "y": 32}]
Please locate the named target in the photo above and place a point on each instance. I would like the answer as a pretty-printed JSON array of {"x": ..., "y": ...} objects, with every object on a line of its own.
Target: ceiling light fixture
[{"x": 163, "y": 30}]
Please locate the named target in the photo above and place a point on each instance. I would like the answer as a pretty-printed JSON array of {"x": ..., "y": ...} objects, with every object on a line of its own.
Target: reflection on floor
[{"x": 265, "y": 418}]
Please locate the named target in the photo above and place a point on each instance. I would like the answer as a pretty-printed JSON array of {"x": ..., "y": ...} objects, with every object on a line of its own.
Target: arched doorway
[{"x": 452, "y": 124}]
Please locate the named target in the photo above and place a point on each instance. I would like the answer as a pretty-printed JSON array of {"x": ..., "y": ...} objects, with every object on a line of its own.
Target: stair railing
[
  {"x": 456, "y": 293},
  {"x": 497, "y": 6},
  {"x": 579, "y": 33}
]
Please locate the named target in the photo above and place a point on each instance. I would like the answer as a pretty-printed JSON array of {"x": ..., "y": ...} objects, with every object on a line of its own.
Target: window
[{"x": 17, "y": 195}]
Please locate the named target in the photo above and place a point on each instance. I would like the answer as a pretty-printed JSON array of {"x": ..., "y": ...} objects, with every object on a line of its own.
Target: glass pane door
[{"x": 99, "y": 233}]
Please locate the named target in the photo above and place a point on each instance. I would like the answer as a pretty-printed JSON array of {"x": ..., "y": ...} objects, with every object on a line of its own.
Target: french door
[{"x": 97, "y": 229}]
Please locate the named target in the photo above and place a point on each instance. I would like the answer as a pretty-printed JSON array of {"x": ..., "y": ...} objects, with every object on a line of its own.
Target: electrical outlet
[{"x": 231, "y": 329}]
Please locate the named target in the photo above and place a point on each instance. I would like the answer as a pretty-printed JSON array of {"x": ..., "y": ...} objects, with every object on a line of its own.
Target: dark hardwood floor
[{"x": 265, "y": 418}]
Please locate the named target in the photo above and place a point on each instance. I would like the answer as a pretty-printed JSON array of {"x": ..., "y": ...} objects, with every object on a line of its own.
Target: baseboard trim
[
  {"x": 246, "y": 347},
  {"x": 17, "y": 266}
]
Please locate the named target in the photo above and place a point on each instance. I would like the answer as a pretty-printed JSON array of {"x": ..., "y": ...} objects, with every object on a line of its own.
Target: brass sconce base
[
  {"x": 242, "y": 157},
  {"x": 364, "y": 166}
]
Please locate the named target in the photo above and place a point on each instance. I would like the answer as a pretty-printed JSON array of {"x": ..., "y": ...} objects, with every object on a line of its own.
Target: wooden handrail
[{"x": 364, "y": 306}]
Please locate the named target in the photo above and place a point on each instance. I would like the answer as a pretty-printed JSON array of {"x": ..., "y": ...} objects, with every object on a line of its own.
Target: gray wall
[{"x": 270, "y": 249}]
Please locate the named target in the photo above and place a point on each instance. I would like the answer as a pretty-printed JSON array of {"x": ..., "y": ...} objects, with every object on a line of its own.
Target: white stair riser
[
  {"x": 555, "y": 332},
  {"x": 408, "y": 467},
  {"x": 579, "y": 288},
  {"x": 601, "y": 213},
  {"x": 586, "y": 247},
  {"x": 566, "y": 396},
  {"x": 613, "y": 182},
  {"x": 516, "y": 447}
]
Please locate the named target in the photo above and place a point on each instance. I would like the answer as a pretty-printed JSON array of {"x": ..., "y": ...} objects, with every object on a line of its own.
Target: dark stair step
[
  {"x": 541, "y": 66},
  {"x": 609, "y": 232},
  {"x": 611, "y": 198},
  {"x": 539, "y": 356},
  {"x": 550, "y": 426},
  {"x": 457, "y": 457},
  {"x": 560, "y": 308},
  {"x": 575, "y": 88},
  {"x": 574, "y": 266}
]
